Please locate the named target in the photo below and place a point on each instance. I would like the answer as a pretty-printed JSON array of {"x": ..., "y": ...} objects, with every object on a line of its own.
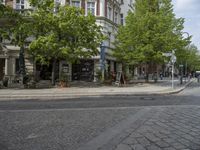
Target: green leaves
[
  {"x": 68, "y": 34},
  {"x": 150, "y": 30}
]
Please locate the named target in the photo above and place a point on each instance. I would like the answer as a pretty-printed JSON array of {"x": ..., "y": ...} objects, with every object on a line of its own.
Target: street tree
[
  {"x": 15, "y": 27},
  {"x": 151, "y": 29},
  {"x": 189, "y": 57},
  {"x": 63, "y": 33}
]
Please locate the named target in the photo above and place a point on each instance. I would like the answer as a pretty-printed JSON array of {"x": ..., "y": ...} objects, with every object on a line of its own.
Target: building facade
[{"x": 107, "y": 13}]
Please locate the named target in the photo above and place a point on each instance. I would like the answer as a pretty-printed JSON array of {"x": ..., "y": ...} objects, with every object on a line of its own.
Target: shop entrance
[
  {"x": 44, "y": 72},
  {"x": 83, "y": 71},
  {"x": 2, "y": 68}
]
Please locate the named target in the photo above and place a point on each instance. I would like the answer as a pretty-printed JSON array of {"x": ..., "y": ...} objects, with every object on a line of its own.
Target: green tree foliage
[
  {"x": 189, "y": 57},
  {"x": 150, "y": 30},
  {"x": 63, "y": 32},
  {"x": 15, "y": 27},
  {"x": 7, "y": 19},
  {"x": 67, "y": 34}
]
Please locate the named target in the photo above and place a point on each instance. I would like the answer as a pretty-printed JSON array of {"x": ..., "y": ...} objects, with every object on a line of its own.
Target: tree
[
  {"x": 189, "y": 57},
  {"x": 15, "y": 27},
  {"x": 65, "y": 34},
  {"x": 150, "y": 30}
]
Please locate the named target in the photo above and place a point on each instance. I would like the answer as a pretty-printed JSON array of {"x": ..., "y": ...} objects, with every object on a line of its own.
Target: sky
[{"x": 190, "y": 10}]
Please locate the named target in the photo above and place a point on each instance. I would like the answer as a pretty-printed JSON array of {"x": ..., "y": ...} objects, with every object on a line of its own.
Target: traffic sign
[{"x": 173, "y": 59}]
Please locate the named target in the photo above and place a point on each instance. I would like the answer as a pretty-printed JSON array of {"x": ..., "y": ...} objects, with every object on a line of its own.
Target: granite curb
[{"x": 94, "y": 94}]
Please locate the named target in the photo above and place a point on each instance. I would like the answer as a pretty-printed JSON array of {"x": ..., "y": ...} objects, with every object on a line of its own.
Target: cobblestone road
[
  {"x": 169, "y": 128},
  {"x": 106, "y": 123}
]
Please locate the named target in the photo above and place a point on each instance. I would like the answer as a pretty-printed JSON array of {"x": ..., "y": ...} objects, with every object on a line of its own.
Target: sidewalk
[{"x": 163, "y": 87}]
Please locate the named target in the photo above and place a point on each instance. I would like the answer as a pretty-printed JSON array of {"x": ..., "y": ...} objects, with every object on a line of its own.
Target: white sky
[{"x": 190, "y": 10}]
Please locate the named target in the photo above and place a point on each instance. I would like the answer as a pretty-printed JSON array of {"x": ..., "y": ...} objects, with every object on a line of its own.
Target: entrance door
[
  {"x": 83, "y": 71},
  {"x": 2, "y": 68}
]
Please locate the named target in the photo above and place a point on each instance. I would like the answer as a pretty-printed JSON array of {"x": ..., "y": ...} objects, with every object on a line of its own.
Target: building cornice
[{"x": 107, "y": 20}]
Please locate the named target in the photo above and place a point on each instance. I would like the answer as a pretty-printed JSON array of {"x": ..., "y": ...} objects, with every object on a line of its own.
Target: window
[
  {"x": 109, "y": 16},
  {"x": 91, "y": 7},
  {"x": 76, "y": 4},
  {"x": 122, "y": 19},
  {"x": 116, "y": 17},
  {"x": 19, "y": 4}
]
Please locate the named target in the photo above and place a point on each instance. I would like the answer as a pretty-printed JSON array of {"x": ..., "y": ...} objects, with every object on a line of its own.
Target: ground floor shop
[{"x": 87, "y": 70}]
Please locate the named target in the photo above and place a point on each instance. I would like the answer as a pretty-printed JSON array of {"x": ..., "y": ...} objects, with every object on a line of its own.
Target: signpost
[{"x": 172, "y": 60}]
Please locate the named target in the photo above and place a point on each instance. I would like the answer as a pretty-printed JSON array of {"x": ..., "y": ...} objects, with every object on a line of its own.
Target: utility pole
[{"x": 172, "y": 61}]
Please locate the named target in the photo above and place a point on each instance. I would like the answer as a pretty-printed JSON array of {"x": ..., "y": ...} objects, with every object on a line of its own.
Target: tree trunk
[
  {"x": 34, "y": 70},
  {"x": 147, "y": 73},
  {"x": 53, "y": 72}
]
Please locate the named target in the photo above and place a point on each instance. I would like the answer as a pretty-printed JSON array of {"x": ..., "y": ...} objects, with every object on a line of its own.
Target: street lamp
[{"x": 185, "y": 70}]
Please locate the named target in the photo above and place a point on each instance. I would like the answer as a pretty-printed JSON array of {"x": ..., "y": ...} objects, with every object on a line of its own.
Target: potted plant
[{"x": 63, "y": 80}]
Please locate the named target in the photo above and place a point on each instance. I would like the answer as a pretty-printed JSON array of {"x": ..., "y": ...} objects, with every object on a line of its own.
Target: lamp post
[
  {"x": 181, "y": 73},
  {"x": 185, "y": 71}
]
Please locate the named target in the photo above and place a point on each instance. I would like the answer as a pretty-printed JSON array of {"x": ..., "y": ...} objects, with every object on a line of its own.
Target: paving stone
[
  {"x": 174, "y": 129},
  {"x": 123, "y": 147},
  {"x": 152, "y": 137},
  {"x": 169, "y": 140},
  {"x": 184, "y": 141},
  {"x": 138, "y": 147},
  {"x": 130, "y": 141},
  {"x": 143, "y": 141},
  {"x": 195, "y": 147},
  {"x": 153, "y": 147},
  {"x": 178, "y": 146},
  {"x": 136, "y": 135},
  {"x": 162, "y": 144},
  {"x": 168, "y": 148}
]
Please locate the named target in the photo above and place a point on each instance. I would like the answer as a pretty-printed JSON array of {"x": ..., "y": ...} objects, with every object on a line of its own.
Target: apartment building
[{"x": 107, "y": 13}]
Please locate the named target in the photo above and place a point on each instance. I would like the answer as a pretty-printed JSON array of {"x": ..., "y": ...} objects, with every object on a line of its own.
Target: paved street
[{"x": 103, "y": 123}]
